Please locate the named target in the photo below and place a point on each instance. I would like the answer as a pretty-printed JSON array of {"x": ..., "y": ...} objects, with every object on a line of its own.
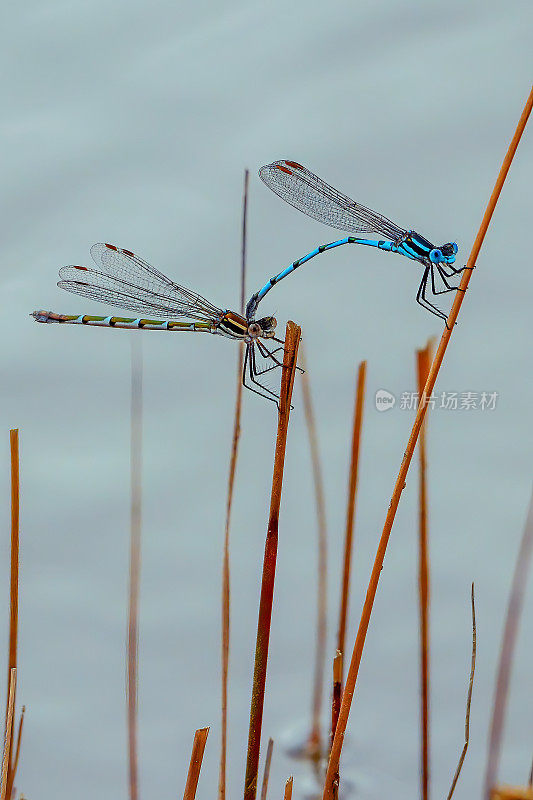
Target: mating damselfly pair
[{"x": 124, "y": 280}]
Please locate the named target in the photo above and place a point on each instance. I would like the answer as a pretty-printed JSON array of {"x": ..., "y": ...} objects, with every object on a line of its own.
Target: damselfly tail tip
[{"x": 44, "y": 316}]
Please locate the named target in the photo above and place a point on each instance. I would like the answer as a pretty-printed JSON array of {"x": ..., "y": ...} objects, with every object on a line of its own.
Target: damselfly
[
  {"x": 126, "y": 281},
  {"x": 308, "y": 193}
]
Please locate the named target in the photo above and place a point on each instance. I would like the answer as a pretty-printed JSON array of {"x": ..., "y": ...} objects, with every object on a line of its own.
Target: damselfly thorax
[{"x": 235, "y": 326}]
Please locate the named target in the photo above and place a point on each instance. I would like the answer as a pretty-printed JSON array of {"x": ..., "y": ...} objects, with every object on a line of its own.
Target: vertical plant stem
[
  {"x": 226, "y": 557},
  {"x": 314, "y": 740},
  {"x": 14, "y": 582},
  {"x": 266, "y": 772},
  {"x": 423, "y": 361},
  {"x": 510, "y": 634},
  {"x": 350, "y": 510},
  {"x": 333, "y": 765},
  {"x": 8, "y": 732},
  {"x": 292, "y": 340},
  {"x": 468, "y": 702},
  {"x": 288, "y": 789},
  {"x": 135, "y": 562},
  {"x": 195, "y": 765},
  {"x": 17, "y": 750},
  {"x": 337, "y": 691}
]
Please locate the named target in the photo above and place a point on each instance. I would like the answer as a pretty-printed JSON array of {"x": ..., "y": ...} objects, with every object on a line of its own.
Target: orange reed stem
[
  {"x": 288, "y": 789},
  {"x": 195, "y": 765},
  {"x": 14, "y": 582},
  {"x": 292, "y": 341},
  {"x": 423, "y": 358},
  {"x": 351, "y": 679}
]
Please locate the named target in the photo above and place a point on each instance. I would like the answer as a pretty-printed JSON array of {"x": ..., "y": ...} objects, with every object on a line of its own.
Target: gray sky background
[{"x": 132, "y": 123}]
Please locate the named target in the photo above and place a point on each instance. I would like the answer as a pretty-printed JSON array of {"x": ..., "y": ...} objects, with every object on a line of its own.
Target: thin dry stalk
[
  {"x": 468, "y": 702},
  {"x": 14, "y": 578},
  {"x": 135, "y": 563},
  {"x": 195, "y": 765},
  {"x": 423, "y": 358},
  {"x": 337, "y": 691},
  {"x": 226, "y": 555},
  {"x": 314, "y": 741},
  {"x": 351, "y": 679},
  {"x": 510, "y": 634},
  {"x": 17, "y": 750},
  {"x": 350, "y": 510},
  {"x": 288, "y": 789},
  {"x": 292, "y": 340},
  {"x": 266, "y": 772},
  {"x": 8, "y": 732},
  {"x": 530, "y": 779}
]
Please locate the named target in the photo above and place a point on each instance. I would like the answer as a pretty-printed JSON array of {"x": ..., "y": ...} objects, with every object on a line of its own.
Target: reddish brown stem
[
  {"x": 14, "y": 581},
  {"x": 333, "y": 765},
  {"x": 195, "y": 765},
  {"x": 350, "y": 510},
  {"x": 292, "y": 340},
  {"x": 423, "y": 361},
  {"x": 226, "y": 557},
  {"x": 337, "y": 691},
  {"x": 510, "y": 634},
  {"x": 288, "y": 789}
]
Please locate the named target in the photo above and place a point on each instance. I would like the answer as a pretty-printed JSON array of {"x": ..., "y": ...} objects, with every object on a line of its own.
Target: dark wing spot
[
  {"x": 294, "y": 164},
  {"x": 111, "y": 246},
  {"x": 83, "y": 268},
  {"x": 284, "y": 169}
]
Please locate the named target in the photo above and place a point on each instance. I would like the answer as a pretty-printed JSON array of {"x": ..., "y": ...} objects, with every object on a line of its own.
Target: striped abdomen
[{"x": 125, "y": 322}]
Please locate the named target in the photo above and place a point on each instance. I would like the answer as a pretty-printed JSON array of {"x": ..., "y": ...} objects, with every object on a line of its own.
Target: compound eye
[
  {"x": 254, "y": 329},
  {"x": 436, "y": 256},
  {"x": 455, "y": 249}
]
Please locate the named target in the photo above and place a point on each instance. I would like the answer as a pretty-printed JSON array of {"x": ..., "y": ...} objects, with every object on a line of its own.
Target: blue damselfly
[{"x": 308, "y": 193}]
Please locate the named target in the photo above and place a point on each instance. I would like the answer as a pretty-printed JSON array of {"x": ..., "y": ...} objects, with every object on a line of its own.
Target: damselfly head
[
  {"x": 266, "y": 325},
  {"x": 449, "y": 251}
]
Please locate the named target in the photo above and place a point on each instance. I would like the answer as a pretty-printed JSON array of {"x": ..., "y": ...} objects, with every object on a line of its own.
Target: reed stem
[
  {"x": 510, "y": 635},
  {"x": 423, "y": 358},
  {"x": 13, "y": 584},
  {"x": 195, "y": 765},
  {"x": 292, "y": 340},
  {"x": 135, "y": 564},
  {"x": 266, "y": 771},
  {"x": 350, "y": 510},
  {"x": 314, "y": 741},
  {"x": 333, "y": 765},
  {"x": 225, "y": 643}
]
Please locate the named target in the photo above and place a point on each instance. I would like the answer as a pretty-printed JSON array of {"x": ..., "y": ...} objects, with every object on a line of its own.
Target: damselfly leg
[{"x": 251, "y": 372}]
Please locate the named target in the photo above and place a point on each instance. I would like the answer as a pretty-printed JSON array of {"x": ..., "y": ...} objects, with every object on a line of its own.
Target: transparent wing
[
  {"x": 316, "y": 198},
  {"x": 126, "y": 281}
]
